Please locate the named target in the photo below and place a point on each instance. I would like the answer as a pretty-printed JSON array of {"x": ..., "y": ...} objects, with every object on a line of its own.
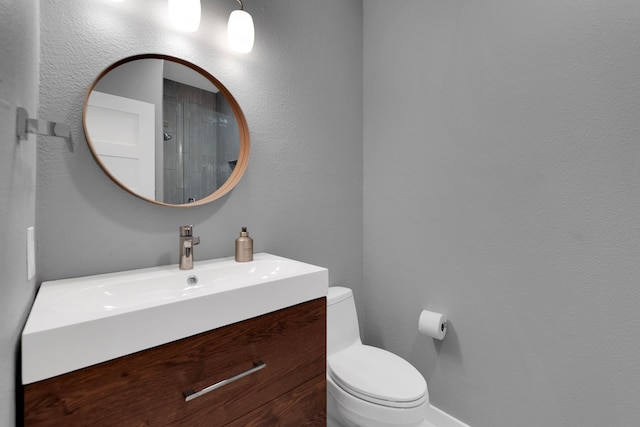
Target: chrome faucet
[{"x": 187, "y": 242}]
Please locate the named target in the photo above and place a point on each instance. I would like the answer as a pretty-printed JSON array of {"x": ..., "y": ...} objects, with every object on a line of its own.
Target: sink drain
[{"x": 192, "y": 280}]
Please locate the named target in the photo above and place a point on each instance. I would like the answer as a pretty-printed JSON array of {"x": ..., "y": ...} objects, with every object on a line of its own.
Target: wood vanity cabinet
[{"x": 147, "y": 388}]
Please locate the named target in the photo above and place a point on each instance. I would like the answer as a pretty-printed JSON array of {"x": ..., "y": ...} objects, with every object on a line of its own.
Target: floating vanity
[{"x": 226, "y": 343}]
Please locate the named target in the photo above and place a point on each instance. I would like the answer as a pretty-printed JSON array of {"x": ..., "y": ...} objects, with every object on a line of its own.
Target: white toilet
[{"x": 367, "y": 386}]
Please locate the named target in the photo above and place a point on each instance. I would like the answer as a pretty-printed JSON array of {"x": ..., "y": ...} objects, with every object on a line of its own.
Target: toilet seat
[{"x": 377, "y": 376}]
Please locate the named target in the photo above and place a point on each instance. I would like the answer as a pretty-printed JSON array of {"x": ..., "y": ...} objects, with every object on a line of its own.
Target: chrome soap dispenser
[{"x": 244, "y": 247}]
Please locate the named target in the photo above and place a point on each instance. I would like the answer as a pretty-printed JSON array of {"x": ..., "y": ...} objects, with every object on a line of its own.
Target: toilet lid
[{"x": 378, "y": 376}]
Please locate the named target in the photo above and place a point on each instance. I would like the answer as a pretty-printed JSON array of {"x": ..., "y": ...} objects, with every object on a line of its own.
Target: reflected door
[{"x": 123, "y": 134}]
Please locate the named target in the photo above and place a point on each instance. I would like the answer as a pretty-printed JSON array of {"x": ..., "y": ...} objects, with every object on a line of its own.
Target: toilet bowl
[{"x": 368, "y": 386}]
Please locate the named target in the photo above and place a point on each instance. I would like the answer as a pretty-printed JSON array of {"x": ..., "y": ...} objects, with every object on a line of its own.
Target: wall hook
[{"x": 25, "y": 125}]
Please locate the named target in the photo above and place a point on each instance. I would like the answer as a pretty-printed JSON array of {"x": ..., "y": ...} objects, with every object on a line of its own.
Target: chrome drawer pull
[{"x": 190, "y": 394}]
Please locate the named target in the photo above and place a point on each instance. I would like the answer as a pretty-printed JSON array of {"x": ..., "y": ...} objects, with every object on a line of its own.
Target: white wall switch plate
[{"x": 31, "y": 253}]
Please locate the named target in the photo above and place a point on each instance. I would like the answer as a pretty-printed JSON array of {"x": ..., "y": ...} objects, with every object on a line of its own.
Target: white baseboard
[{"x": 441, "y": 419}]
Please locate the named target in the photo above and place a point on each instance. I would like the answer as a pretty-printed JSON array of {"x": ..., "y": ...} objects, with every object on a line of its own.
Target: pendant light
[{"x": 240, "y": 31}]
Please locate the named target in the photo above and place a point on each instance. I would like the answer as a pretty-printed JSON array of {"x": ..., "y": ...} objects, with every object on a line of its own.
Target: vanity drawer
[
  {"x": 146, "y": 388},
  {"x": 305, "y": 406}
]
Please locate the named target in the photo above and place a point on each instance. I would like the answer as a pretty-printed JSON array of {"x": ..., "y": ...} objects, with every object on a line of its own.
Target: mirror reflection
[{"x": 165, "y": 130}]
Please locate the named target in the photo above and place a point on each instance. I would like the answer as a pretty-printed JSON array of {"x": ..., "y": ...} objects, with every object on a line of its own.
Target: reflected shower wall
[{"x": 200, "y": 138}]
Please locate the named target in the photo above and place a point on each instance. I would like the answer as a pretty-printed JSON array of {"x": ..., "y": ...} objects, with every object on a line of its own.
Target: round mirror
[{"x": 166, "y": 130}]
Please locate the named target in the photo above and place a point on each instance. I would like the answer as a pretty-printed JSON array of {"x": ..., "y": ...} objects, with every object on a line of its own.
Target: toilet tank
[{"x": 342, "y": 320}]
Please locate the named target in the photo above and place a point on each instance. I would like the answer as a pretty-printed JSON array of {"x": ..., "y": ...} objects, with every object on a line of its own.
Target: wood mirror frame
[{"x": 243, "y": 132}]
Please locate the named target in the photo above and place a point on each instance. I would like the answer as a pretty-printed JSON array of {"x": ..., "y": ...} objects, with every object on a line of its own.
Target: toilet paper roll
[{"x": 432, "y": 324}]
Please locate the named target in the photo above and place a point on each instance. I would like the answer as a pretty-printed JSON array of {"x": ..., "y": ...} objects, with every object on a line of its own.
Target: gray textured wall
[
  {"x": 18, "y": 88},
  {"x": 301, "y": 92},
  {"x": 502, "y": 187}
]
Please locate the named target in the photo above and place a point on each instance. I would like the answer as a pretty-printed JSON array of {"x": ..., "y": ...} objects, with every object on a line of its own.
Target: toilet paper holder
[{"x": 432, "y": 324}]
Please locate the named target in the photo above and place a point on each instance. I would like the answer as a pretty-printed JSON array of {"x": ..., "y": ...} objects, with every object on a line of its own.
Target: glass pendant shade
[
  {"x": 240, "y": 31},
  {"x": 185, "y": 14}
]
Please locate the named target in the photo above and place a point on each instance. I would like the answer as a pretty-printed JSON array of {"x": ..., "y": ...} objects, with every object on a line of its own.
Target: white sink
[{"x": 75, "y": 323}]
